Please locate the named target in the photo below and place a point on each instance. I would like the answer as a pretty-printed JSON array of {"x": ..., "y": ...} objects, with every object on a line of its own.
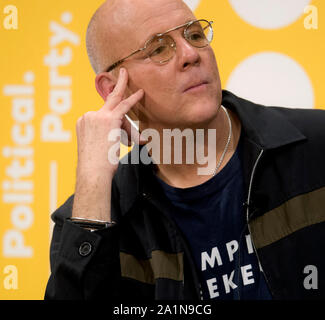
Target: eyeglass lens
[{"x": 161, "y": 48}]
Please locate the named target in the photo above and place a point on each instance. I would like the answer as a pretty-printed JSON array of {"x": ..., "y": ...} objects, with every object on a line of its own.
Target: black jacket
[{"x": 145, "y": 257}]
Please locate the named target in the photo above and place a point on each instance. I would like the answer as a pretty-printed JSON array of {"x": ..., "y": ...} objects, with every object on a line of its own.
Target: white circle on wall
[
  {"x": 273, "y": 79},
  {"x": 269, "y": 14},
  {"x": 193, "y": 4}
]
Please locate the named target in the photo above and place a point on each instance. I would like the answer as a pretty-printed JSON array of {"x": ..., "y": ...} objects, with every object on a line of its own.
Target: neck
[{"x": 191, "y": 157}]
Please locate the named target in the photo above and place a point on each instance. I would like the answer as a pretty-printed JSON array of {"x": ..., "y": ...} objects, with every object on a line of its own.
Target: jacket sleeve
[{"x": 84, "y": 264}]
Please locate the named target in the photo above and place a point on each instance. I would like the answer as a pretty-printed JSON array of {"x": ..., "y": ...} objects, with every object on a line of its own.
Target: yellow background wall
[{"x": 46, "y": 84}]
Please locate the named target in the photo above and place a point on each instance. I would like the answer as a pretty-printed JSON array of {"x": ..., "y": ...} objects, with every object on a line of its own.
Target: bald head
[
  {"x": 112, "y": 21},
  {"x": 96, "y": 35}
]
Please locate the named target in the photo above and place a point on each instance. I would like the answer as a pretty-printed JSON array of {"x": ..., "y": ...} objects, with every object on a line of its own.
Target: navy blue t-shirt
[{"x": 211, "y": 217}]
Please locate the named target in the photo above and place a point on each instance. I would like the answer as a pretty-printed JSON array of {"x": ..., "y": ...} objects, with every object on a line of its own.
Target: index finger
[{"x": 116, "y": 96}]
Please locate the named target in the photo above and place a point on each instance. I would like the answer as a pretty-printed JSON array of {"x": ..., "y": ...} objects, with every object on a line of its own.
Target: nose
[{"x": 187, "y": 54}]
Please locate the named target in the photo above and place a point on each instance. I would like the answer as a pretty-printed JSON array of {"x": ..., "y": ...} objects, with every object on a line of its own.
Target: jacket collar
[{"x": 264, "y": 127}]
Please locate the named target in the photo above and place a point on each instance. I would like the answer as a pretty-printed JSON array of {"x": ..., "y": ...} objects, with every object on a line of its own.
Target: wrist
[
  {"x": 92, "y": 173},
  {"x": 92, "y": 197}
]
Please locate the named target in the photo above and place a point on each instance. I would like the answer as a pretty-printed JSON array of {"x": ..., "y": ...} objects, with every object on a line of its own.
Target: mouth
[{"x": 197, "y": 87}]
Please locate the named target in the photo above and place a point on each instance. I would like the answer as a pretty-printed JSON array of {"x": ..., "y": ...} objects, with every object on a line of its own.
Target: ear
[{"x": 105, "y": 84}]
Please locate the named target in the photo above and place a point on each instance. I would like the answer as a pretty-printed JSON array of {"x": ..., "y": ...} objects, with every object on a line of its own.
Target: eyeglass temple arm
[{"x": 117, "y": 63}]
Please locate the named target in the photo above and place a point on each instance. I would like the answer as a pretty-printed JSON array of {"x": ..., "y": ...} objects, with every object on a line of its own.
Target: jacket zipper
[{"x": 247, "y": 212}]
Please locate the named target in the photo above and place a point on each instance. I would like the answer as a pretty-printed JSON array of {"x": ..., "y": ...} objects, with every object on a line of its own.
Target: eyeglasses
[{"x": 162, "y": 47}]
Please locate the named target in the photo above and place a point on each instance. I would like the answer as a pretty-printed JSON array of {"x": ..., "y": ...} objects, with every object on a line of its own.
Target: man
[{"x": 250, "y": 228}]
